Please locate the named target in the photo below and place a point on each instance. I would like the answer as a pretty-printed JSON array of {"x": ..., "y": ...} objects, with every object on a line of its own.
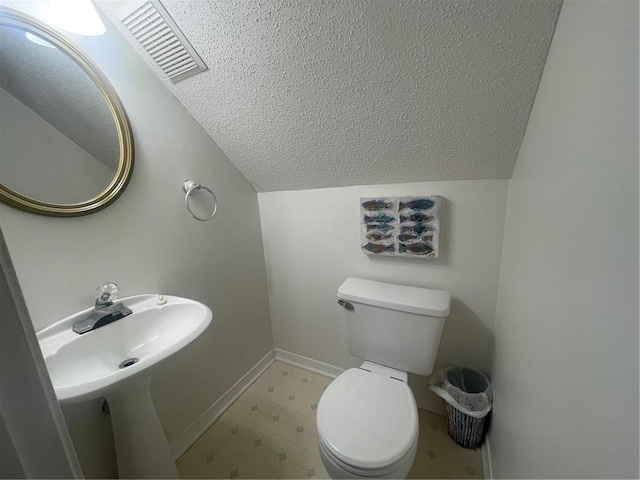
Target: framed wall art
[{"x": 405, "y": 226}]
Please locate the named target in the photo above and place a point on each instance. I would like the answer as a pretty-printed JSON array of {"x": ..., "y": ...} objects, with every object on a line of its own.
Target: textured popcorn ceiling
[{"x": 308, "y": 94}]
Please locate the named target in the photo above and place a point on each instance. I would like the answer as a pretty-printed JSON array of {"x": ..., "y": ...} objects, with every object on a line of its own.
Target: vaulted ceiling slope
[{"x": 310, "y": 94}]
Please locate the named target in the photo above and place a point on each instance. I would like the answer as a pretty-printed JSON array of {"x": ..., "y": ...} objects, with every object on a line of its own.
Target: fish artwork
[
  {"x": 415, "y": 248},
  {"x": 418, "y": 228},
  {"x": 383, "y": 227},
  {"x": 407, "y": 237},
  {"x": 379, "y": 219},
  {"x": 377, "y": 236},
  {"x": 418, "y": 204},
  {"x": 377, "y": 205},
  {"x": 378, "y": 248},
  {"x": 416, "y": 217},
  {"x": 400, "y": 226}
]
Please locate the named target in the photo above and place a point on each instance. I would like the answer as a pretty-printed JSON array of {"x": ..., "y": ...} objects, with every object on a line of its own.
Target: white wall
[
  {"x": 146, "y": 242},
  {"x": 39, "y": 161},
  {"x": 312, "y": 244},
  {"x": 566, "y": 365}
]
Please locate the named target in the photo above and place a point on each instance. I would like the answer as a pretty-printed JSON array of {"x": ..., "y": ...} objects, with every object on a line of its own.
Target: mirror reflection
[{"x": 58, "y": 139}]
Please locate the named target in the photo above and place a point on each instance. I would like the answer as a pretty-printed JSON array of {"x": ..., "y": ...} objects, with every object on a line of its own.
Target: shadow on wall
[
  {"x": 466, "y": 341},
  {"x": 92, "y": 436},
  {"x": 446, "y": 236}
]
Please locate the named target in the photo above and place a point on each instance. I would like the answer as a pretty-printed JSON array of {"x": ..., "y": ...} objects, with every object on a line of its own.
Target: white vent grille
[{"x": 159, "y": 35}]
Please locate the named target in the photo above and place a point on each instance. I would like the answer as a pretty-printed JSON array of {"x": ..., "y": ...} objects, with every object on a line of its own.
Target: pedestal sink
[{"x": 116, "y": 361}]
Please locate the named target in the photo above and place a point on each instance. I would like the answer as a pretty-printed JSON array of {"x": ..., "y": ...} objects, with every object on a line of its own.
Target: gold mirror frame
[{"x": 13, "y": 18}]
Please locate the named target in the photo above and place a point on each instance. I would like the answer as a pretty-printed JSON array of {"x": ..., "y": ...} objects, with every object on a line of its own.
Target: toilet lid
[{"x": 367, "y": 420}]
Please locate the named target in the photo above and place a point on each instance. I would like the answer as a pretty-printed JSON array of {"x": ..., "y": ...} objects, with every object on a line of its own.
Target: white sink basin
[
  {"x": 89, "y": 366},
  {"x": 86, "y": 366}
]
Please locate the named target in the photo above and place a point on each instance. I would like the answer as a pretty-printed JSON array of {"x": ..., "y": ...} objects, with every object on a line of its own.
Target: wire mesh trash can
[
  {"x": 465, "y": 430},
  {"x": 468, "y": 395}
]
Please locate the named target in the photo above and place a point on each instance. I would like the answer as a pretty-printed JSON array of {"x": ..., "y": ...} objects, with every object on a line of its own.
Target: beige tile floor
[{"x": 270, "y": 432}]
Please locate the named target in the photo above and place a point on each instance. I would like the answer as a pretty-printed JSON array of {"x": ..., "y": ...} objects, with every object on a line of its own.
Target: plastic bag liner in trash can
[{"x": 468, "y": 395}]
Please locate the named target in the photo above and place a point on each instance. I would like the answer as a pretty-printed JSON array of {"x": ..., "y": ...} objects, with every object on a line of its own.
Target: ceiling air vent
[{"x": 156, "y": 31}]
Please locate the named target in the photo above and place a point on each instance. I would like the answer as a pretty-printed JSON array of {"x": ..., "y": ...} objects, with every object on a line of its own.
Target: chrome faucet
[{"x": 105, "y": 311}]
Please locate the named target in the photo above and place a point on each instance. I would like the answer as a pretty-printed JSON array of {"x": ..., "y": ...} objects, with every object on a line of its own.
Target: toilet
[{"x": 367, "y": 417}]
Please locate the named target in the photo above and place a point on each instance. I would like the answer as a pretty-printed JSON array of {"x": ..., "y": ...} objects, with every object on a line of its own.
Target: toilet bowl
[
  {"x": 368, "y": 424},
  {"x": 367, "y": 417}
]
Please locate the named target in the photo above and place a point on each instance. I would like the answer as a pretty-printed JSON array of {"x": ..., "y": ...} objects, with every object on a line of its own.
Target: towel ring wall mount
[{"x": 190, "y": 187}]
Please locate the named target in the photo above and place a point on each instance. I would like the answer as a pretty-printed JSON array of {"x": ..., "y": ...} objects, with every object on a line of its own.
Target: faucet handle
[{"x": 106, "y": 293}]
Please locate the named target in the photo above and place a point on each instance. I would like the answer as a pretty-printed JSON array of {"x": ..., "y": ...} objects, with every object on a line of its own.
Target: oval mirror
[{"x": 66, "y": 147}]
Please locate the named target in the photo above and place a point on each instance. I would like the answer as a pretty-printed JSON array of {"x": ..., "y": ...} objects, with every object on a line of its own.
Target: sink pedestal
[{"x": 141, "y": 445}]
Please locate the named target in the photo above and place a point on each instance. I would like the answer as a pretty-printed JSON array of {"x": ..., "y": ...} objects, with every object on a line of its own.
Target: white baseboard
[
  {"x": 487, "y": 470},
  {"x": 308, "y": 363},
  {"x": 182, "y": 442}
]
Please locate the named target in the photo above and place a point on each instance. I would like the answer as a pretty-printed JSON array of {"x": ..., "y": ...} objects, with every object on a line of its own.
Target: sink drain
[{"x": 128, "y": 362}]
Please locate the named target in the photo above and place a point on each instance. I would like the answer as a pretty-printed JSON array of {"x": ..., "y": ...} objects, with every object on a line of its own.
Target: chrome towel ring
[{"x": 190, "y": 187}]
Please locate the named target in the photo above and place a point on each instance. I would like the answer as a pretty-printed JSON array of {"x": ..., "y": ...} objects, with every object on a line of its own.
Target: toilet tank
[{"x": 394, "y": 325}]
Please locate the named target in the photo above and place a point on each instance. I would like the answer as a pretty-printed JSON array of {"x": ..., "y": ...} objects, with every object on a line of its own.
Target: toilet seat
[{"x": 367, "y": 422}]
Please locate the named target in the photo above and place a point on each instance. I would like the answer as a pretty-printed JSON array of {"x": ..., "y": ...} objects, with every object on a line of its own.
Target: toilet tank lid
[{"x": 422, "y": 301}]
